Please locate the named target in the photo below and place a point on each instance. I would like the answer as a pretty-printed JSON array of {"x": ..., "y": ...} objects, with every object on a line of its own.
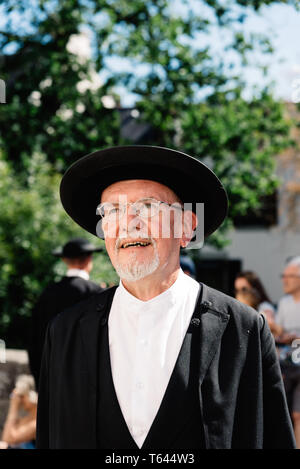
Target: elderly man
[
  {"x": 287, "y": 329},
  {"x": 288, "y": 316},
  {"x": 161, "y": 361}
]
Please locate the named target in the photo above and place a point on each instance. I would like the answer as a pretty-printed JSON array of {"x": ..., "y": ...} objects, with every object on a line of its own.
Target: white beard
[{"x": 134, "y": 270}]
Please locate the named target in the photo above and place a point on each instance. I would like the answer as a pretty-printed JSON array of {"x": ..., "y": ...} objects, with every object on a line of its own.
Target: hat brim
[{"x": 192, "y": 181}]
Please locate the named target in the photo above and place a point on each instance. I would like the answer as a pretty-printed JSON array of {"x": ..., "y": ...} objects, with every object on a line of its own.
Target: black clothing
[
  {"x": 56, "y": 297},
  {"x": 239, "y": 385}
]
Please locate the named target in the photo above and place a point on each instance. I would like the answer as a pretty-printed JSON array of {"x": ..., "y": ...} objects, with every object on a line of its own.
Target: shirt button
[
  {"x": 144, "y": 341},
  {"x": 139, "y": 385}
]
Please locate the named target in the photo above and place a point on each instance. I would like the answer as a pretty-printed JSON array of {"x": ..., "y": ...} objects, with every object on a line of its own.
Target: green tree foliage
[
  {"x": 54, "y": 98},
  {"x": 57, "y": 111},
  {"x": 32, "y": 224}
]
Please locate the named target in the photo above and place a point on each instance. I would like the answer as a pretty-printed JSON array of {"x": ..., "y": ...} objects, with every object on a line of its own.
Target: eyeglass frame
[
  {"x": 243, "y": 290},
  {"x": 289, "y": 276},
  {"x": 131, "y": 204}
]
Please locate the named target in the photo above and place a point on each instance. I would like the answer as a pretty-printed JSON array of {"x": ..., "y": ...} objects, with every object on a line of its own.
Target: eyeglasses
[
  {"x": 289, "y": 276},
  {"x": 143, "y": 208},
  {"x": 242, "y": 290}
]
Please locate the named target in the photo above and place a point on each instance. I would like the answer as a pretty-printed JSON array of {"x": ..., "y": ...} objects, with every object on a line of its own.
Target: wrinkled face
[
  {"x": 291, "y": 279},
  {"x": 138, "y": 245}
]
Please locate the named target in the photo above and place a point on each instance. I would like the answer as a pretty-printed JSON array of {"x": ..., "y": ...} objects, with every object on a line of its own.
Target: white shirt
[
  {"x": 145, "y": 338},
  {"x": 288, "y": 315},
  {"x": 268, "y": 309},
  {"x": 77, "y": 273}
]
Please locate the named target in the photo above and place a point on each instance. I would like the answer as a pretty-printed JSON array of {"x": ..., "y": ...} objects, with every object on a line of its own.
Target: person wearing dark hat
[
  {"x": 160, "y": 361},
  {"x": 74, "y": 287}
]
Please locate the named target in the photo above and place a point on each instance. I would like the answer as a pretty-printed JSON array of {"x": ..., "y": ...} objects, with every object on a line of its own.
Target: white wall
[{"x": 265, "y": 252}]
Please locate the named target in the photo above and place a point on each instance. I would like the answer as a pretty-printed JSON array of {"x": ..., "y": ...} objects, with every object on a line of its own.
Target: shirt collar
[
  {"x": 167, "y": 297},
  {"x": 78, "y": 273}
]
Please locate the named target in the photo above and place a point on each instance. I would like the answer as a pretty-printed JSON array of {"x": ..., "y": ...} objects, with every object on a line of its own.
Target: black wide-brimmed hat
[
  {"x": 192, "y": 181},
  {"x": 76, "y": 247}
]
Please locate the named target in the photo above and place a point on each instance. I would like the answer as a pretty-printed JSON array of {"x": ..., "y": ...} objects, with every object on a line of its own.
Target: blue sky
[{"x": 282, "y": 24}]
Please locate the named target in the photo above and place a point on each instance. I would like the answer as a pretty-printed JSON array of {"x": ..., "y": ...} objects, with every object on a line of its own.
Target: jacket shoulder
[
  {"x": 91, "y": 305},
  {"x": 239, "y": 312},
  {"x": 80, "y": 284}
]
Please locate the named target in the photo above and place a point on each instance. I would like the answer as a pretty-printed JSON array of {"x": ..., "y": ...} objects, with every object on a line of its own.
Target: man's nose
[{"x": 130, "y": 221}]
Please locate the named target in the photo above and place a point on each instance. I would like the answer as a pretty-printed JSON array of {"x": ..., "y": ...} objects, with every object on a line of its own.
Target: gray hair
[
  {"x": 25, "y": 385},
  {"x": 294, "y": 261}
]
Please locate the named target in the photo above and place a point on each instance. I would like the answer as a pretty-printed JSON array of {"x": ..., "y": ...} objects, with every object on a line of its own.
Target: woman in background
[
  {"x": 250, "y": 290},
  {"x": 20, "y": 426}
]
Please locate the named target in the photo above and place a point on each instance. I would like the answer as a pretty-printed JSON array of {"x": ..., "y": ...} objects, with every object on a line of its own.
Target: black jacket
[
  {"x": 56, "y": 297},
  {"x": 241, "y": 394}
]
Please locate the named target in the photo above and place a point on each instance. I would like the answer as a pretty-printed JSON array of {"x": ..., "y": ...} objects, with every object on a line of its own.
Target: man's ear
[{"x": 189, "y": 225}]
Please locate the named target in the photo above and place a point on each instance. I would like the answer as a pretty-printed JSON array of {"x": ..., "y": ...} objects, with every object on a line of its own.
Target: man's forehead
[
  {"x": 144, "y": 187},
  {"x": 292, "y": 268}
]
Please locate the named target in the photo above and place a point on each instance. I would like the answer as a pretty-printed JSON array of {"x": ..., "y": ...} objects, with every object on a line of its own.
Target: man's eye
[
  {"x": 113, "y": 211},
  {"x": 146, "y": 206}
]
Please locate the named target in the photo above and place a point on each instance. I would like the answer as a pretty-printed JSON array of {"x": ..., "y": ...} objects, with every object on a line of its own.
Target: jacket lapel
[
  {"x": 213, "y": 322},
  {"x": 210, "y": 320},
  {"x": 172, "y": 410},
  {"x": 90, "y": 323}
]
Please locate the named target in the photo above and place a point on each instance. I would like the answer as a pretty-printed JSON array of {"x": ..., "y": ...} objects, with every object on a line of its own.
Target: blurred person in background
[
  {"x": 288, "y": 314},
  {"x": 286, "y": 329},
  {"x": 250, "y": 290},
  {"x": 75, "y": 286},
  {"x": 20, "y": 426}
]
